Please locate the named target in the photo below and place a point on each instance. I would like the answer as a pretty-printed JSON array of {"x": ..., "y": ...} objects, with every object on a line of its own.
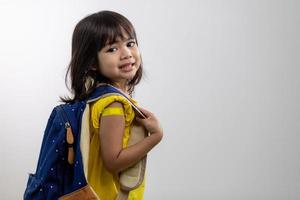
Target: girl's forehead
[
  {"x": 118, "y": 39},
  {"x": 118, "y": 34}
]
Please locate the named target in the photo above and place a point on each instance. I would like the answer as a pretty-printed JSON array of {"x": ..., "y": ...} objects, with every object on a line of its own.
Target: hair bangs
[{"x": 113, "y": 31}]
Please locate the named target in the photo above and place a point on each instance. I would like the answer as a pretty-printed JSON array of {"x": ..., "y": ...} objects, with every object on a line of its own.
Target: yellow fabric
[
  {"x": 102, "y": 181},
  {"x": 113, "y": 111}
]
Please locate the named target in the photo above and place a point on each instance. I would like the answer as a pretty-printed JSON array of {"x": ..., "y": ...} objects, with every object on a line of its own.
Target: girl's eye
[
  {"x": 131, "y": 44},
  {"x": 111, "y": 49}
]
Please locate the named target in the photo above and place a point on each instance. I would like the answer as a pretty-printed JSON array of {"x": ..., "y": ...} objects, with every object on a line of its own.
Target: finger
[
  {"x": 139, "y": 120},
  {"x": 144, "y": 111},
  {"x": 140, "y": 114}
]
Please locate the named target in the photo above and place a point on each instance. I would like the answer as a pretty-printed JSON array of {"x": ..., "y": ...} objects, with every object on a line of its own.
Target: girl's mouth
[{"x": 127, "y": 67}]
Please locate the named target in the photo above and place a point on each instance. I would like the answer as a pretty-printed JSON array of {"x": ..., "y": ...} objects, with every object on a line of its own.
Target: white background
[{"x": 221, "y": 75}]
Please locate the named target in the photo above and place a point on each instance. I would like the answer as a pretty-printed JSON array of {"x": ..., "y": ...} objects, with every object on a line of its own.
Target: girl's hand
[{"x": 150, "y": 123}]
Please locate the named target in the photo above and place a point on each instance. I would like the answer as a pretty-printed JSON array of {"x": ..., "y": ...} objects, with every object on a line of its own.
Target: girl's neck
[{"x": 122, "y": 87}]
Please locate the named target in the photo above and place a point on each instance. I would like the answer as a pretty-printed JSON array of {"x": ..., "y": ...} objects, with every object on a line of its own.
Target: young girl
[{"x": 105, "y": 50}]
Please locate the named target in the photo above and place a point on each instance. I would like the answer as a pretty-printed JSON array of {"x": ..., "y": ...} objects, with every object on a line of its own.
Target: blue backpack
[{"x": 60, "y": 167}]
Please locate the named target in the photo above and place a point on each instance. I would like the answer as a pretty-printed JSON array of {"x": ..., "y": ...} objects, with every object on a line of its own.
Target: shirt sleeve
[
  {"x": 113, "y": 111},
  {"x": 99, "y": 106}
]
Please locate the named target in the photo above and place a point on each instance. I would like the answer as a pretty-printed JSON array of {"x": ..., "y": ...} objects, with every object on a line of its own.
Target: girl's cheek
[{"x": 137, "y": 51}]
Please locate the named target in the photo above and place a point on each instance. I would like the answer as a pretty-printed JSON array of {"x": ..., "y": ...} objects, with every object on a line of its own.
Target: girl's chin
[{"x": 130, "y": 74}]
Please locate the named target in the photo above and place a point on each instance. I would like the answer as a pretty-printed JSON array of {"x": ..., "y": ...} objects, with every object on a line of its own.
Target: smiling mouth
[{"x": 127, "y": 65}]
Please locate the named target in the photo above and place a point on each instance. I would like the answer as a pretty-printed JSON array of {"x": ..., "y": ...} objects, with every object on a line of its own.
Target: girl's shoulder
[
  {"x": 106, "y": 100},
  {"x": 97, "y": 107}
]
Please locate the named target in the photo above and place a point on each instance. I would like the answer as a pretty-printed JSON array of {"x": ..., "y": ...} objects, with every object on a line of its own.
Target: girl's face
[{"x": 120, "y": 61}]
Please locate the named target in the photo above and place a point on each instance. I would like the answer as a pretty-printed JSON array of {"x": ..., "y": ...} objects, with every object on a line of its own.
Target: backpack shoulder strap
[{"x": 107, "y": 90}]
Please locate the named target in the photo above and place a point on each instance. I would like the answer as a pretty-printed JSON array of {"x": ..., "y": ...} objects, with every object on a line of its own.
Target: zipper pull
[{"x": 70, "y": 142}]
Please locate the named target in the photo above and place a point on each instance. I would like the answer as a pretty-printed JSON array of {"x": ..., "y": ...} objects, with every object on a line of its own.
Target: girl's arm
[{"x": 112, "y": 128}]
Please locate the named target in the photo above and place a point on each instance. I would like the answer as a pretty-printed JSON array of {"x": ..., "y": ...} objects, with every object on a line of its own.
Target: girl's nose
[{"x": 126, "y": 53}]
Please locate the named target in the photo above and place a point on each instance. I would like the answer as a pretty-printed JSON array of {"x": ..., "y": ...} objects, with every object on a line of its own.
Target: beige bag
[{"x": 132, "y": 177}]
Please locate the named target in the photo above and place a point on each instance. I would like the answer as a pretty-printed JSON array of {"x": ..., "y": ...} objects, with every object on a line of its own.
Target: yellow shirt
[{"x": 101, "y": 180}]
